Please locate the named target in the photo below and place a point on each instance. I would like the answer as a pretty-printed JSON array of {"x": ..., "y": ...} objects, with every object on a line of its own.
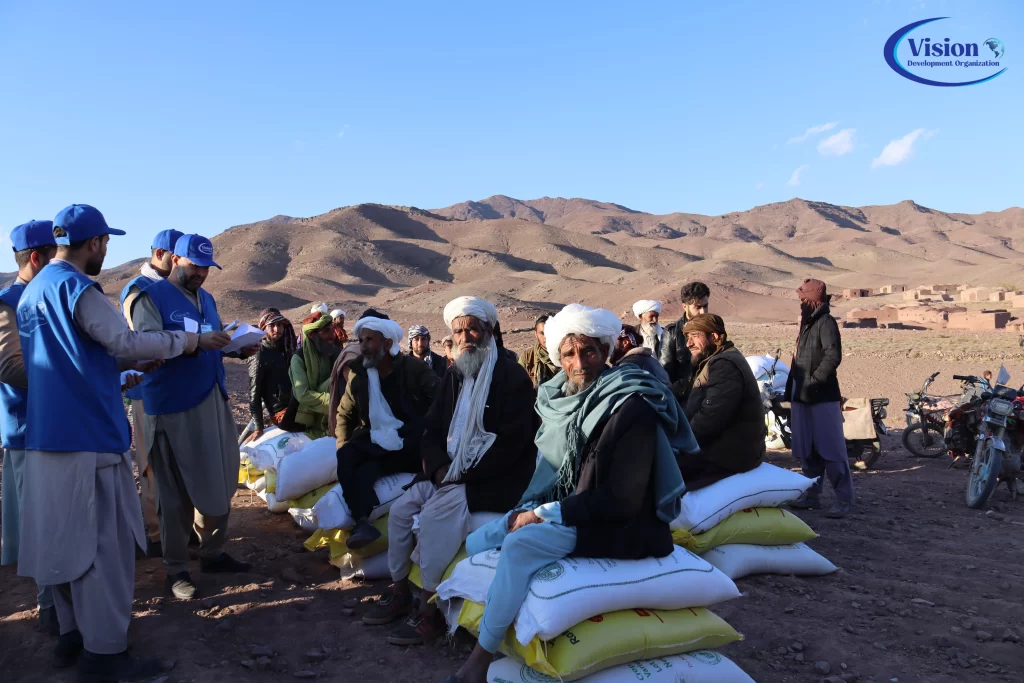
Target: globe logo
[{"x": 996, "y": 46}]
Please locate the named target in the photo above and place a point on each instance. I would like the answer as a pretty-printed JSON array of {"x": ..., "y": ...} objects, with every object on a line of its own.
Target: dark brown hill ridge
[{"x": 535, "y": 255}]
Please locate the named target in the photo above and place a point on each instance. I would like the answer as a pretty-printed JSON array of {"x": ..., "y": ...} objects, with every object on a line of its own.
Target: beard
[
  {"x": 574, "y": 385},
  {"x": 373, "y": 360},
  {"x": 468, "y": 361},
  {"x": 94, "y": 266}
]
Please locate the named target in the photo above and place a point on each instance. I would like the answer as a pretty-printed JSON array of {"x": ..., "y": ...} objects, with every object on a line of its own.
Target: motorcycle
[
  {"x": 962, "y": 420},
  {"x": 997, "y": 456},
  {"x": 778, "y": 411},
  {"x": 925, "y": 422}
]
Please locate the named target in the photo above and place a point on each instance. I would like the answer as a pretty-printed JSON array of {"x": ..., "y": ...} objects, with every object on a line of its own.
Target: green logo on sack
[
  {"x": 552, "y": 572},
  {"x": 707, "y": 657},
  {"x": 530, "y": 676},
  {"x": 284, "y": 441}
]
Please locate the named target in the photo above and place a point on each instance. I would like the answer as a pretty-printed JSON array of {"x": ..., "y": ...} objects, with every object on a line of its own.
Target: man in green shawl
[
  {"x": 536, "y": 359},
  {"x": 607, "y": 483},
  {"x": 310, "y": 373}
]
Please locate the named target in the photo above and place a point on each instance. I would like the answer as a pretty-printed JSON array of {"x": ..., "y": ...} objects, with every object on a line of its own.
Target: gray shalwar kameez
[
  {"x": 195, "y": 458},
  {"x": 80, "y": 515}
]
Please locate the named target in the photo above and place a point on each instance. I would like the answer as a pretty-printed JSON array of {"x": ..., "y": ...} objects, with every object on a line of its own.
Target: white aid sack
[
  {"x": 269, "y": 453},
  {"x": 765, "y": 486},
  {"x": 370, "y": 568},
  {"x": 272, "y": 502},
  {"x": 331, "y": 511},
  {"x": 701, "y": 666},
  {"x": 260, "y": 485},
  {"x": 760, "y": 365},
  {"x": 739, "y": 560},
  {"x": 304, "y": 518},
  {"x": 310, "y": 468},
  {"x": 572, "y": 589}
]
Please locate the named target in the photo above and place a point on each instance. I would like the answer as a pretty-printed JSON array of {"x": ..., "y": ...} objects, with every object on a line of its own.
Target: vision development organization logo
[{"x": 943, "y": 61}]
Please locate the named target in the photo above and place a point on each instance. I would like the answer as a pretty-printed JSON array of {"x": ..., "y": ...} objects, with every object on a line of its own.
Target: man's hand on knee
[{"x": 525, "y": 518}]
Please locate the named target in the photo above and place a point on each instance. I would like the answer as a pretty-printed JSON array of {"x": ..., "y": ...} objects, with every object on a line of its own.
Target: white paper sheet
[
  {"x": 124, "y": 375},
  {"x": 191, "y": 325},
  {"x": 244, "y": 335}
]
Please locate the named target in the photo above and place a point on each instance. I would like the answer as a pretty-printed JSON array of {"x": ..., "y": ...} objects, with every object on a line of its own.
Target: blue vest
[
  {"x": 76, "y": 404},
  {"x": 12, "y": 399},
  {"x": 183, "y": 382},
  {"x": 142, "y": 282}
]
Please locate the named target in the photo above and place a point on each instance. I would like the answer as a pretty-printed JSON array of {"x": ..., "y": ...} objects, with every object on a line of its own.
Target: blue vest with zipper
[
  {"x": 76, "y": 404},
  {"x": 12, "y": 399},
  {"x": 142, "y": 282},
  {"x": 183, "y": 382}
]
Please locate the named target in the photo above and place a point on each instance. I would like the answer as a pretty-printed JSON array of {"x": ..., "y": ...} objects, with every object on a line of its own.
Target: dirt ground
[{"x": 928, "y": 592}]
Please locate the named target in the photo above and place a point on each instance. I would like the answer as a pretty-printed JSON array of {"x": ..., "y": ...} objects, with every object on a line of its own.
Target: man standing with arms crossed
[
  {"x": 80, "y": 512},
  {"x": 157, "y": 268},
  {"x": 191, "y": 438},
  {"x": 34, "y": 246}
]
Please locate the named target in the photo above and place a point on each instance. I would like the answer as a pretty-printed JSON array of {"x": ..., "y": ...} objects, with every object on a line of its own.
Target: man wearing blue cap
[
  {"x": 33, "y": 246},
  {"x": 80, "y": 515},
  {"x": 157, "y": 268},
  {"x": 191, "y": 438}
]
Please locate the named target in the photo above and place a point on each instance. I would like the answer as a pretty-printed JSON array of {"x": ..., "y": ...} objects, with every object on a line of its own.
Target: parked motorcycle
[
  {"x": 778, "y": 411},
  {"x": 923, "y": 436},
  {"x": 963, "y": 420},
  {"x": 997, "y": 455}
]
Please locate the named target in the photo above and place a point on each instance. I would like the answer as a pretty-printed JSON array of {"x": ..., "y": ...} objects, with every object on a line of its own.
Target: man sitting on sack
[
  {"x": 607, "y": 483},
  {"x": 478, "y": 456},
  {"x": 724, "y": 407},
  {"x": 380, "y": 419}
]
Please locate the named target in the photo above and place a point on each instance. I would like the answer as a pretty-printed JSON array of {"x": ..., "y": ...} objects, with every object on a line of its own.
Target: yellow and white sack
[
  {"x": 737, "y": 561},
  {"x": 702, "y": 666}
]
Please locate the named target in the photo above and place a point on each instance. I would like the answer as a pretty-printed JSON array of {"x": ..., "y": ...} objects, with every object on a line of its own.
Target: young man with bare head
[{"x": 675, "y": 357}]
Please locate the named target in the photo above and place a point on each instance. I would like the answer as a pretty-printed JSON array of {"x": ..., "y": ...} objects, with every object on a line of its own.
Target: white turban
[
  {"x": 389, "y": 328},
  {"x": 319, "y": 308},
  {"x": 470, "y": 305},
  {"x": 646, "y": 305},
  {"x": 599, "y": 323},
  {"x": 337, "y": 313}
]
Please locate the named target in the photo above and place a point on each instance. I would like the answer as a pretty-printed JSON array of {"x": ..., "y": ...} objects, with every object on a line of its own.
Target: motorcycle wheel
[
  {"x": 924, "y": 441},
  {"x": 984, "y": 476}
]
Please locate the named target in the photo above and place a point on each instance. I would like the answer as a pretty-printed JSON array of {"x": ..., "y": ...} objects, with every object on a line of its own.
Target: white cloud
[
  {"x": 813, "y": 130},
  {"x": 758, "y": 186},
  {"x": 837, "y": 145},
  {"x": 899, "y": 151},
  {"x": 794, "y": 179},
  {"x": 344, "y": 129}
]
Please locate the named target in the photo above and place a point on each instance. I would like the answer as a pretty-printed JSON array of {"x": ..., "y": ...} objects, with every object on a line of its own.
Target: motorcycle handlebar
[{"x": 966, "y": 378}]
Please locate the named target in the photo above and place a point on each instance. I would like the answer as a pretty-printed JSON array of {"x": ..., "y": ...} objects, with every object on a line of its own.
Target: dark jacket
[
  {"x": 409, "y": 391},
  {"x": 498, "y": 481},
  {"x": 676, "y": 360},
  {"x": 643, "y": 358},
  {"x": 819, "y": 351},
  {"x": 439, "y": 364},
  {"x": 727, "y": 418},
  {"x": 269, "y": 384},
  {"x": 613, "y": 507}
]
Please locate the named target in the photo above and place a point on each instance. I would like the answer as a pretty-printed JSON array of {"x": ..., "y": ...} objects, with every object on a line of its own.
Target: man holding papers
[{"x": 190, "y": 434}]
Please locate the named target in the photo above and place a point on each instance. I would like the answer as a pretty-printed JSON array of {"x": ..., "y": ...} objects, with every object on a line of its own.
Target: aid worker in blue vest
[
  {"x": 34, "y": 246},
  {"x": 80, "y": 514},
  {"x": 191, "y": 437},
  {"x": 157, "y": 268}
]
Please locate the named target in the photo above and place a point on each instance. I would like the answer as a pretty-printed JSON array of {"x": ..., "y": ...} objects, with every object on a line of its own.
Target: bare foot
[{"x": 475, "y": 668}]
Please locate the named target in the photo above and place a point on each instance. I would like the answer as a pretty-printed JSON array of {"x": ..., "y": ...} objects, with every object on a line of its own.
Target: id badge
[{"x": 205, "y": 327}]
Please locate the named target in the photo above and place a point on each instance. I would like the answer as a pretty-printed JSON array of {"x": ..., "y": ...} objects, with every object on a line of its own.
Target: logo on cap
[{"x": 205, "y": 248}]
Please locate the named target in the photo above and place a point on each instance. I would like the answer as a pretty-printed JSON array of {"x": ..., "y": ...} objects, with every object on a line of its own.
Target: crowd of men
[{"x": 584, "y": 445}]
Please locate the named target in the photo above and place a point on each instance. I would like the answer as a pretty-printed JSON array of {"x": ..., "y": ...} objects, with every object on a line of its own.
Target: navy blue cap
[
  {"x": 196, "y": 249},
  {"x": 82, "y": 222},
  {"x": 166, "y": 239},
  {"x": 32, "y": 234}
]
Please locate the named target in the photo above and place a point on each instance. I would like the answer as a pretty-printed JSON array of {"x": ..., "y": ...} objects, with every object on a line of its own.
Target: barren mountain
[{"x": 536, "y": 255}]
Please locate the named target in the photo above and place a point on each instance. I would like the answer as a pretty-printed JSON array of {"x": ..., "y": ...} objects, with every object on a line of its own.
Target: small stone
[
  {"x": 963, "y": 661},
  {"x": 855, "y": 605},
  {"x": 851, "y": 630},
  {"x": 788, "y": 610},
  {"x": 315, "y": 655},
  {"x": 781, "y": 651},
  {"x": 923, "y": 602},
  {"x": 382, "y": 661},
  {"x": 879, "y": 646},
  {"x": 823, "y": 668},
  {"x": 842, "y": 665},
  {"x": 919, "y": 632},
  {"x": 1010, "y": 637},
  {"x": 995, "y": 516},
  {"x": 262, "y": 651},
  {"x": 983, "y": 636},
  {"x": 248, "y": 663},
  {"x": 956, "y": 630},
  {"x": 291, "y": 576},
  {"x": 304, "y": 674},
  {"x": 347, "y": 611},
  {"x": 150, "y": 570},
  {"x": 799, "y": 656},
  {"x": 967, "y": 625},
  {"x": 797, "y": 647}
]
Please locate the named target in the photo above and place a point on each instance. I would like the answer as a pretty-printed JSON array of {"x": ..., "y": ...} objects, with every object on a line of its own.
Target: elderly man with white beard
[
  {"x": 648, "y": 311},
  {"x": 380, "y": 418},
  {"x": 606, "y": 484},
  {"x": 478, "y": 456}
]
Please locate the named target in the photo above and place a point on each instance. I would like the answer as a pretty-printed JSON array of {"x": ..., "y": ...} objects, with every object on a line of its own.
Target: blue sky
[{"x": 199, "y": 116}]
